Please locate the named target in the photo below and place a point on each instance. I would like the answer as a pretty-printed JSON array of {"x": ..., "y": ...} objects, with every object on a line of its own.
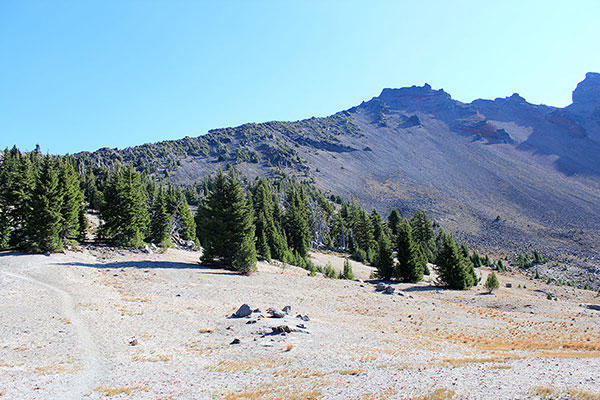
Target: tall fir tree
[
  {"x": 187, "y": 225},
  {"x": 452, "y": 267},
  {"x": 393, "y": 220},
  {"x": 384, "y": 259},
  {"x": 72, "y": 198},
  {"x": 363, "y": 234},
  {"x": 266, "y": 229},
  {"x": 45, "y": 221},
  {"x": 297, "y": 216},
  {"x": 125, "y": 212},
  {"x": 423, "y": 233},
  {"x": 5, "y": 222},
  {"x": 18, "y": 192},
  {"x": 226, "y": 225},
  {"x": 160, "y": 221},
  {"x": 377, "y": 224},
  {"x": 411, "y": 265}
]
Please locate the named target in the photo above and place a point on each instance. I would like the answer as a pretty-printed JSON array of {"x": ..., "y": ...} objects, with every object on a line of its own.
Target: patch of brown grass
[
  {"x": 195, "y": 347},
  {"x": 21, "y": 348},
  {"x": 298, "y": 373},
  {"x": 550, "y": 393},
  {"x": 499, "y": 343},
  {"x": 10, "y": 364},
  {"x": 437, "y": 394},
  {"x": 272, "y": 394},
  {"x": 55, "y": 369},
  {"x": 288, "y": 347},
  {"x": 460, "y": 362},
  {"x": 354, "y": 372},
  {"x": 115, "y": 391},
  {"x": 568, "y": 354},
  {"x": 151, "y": 358},
  {"x": 380, "y": 395},
  {"x": 232, "y": 366}
]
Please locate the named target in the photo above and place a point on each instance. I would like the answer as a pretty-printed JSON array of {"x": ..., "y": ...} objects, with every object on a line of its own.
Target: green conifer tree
[
  {"x": 393, "y": 220},
  {"x": 377, "y": 224},
  {"x": 423, "y": 233},
  {"x": 492, "y": 282},
  {"x": 266, "y": 230},
  {"x": 16, "y": 189},
  {"x": 125, "y": 212},
  {"x": 45, "y": 220},
  {"x": 160, "y": 222},
  {"x": 347, "y": 274},
  {"x": 226, "y": 224},
  {"x": 411, "y": 265},
  {"x": 452, "y": 267},
  {"x": 187, "y": 228},
  {"x": 384, "y": 260},
  {"x": 297, "y": 216},
  {"x": 72, "y": 199}
]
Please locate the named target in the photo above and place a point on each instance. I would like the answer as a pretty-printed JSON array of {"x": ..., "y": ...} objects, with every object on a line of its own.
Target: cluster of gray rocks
[
  {"x": 245, "y": 311},
  {"x": 387, "y": 289}
]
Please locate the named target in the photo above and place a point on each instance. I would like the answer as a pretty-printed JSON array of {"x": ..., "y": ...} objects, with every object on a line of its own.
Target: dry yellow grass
[
  {"x": 460, "y": 362},
  {"x": 10, "y": 364},
  {"x": 115, "y": 391},
  {"x": 55, "y": 369},
  {"x": 21, "y": 348},
  {"x": 354, "y": 372},
  {"x": 550, "y": 393},
  {"x": 248, "y": 365},
  {"x": 437, "y": 394},
  {"x": 499, "y": 343},
  {"x": 288, "y": 347},
  {"x": 151, "y": 358},
  {"x": 297, "y": 373},
  {"x": 65, "y": 320},
  {"x": 195, "y": 347},
  {"x": 380, "y": 395},
  {"x": 273, "y": 394}
]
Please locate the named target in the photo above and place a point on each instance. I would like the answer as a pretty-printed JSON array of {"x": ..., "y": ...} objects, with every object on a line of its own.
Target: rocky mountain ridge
[{"x": 502, "y": 174}]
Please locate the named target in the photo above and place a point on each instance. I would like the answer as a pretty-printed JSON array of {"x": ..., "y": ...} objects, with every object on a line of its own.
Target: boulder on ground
[
  {"x": 243, "y": 311},
  {"x": 389, "y": 289},
  {"x": 281, "y": 329},
  {"x": 380, "y": 287},
  {"x": 287, "y": 309},
  {"x": 275, "y": 313}
]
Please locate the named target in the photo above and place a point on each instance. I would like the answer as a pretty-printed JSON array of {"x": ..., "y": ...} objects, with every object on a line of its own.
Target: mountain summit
[{"x": 499, "y": 173}]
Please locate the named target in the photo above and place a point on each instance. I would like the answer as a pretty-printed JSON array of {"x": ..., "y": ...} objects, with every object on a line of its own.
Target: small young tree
[
  {"x": 492, "y": 283},
  {"x": 348, "y": 274}
]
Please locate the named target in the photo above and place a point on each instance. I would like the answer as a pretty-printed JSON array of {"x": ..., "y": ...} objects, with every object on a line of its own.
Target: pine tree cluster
[{"x": 41, "y": 203}]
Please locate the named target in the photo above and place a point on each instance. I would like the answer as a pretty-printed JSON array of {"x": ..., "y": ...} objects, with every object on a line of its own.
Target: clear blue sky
[{"x": 80, "y": 75}]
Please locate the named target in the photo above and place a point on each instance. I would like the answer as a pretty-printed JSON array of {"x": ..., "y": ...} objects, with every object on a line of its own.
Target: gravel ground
[{"x": 109, "y": 323}]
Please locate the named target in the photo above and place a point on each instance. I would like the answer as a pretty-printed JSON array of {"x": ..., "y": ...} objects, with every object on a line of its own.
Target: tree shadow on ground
[
  {"x": 18, "y": 253},
  {"x": 153, "y": 265},
  {"x": 424, "y": 289}
]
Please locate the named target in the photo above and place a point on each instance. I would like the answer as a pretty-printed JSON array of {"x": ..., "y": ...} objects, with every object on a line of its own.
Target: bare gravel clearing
[{"x": 109, "y": 323}]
